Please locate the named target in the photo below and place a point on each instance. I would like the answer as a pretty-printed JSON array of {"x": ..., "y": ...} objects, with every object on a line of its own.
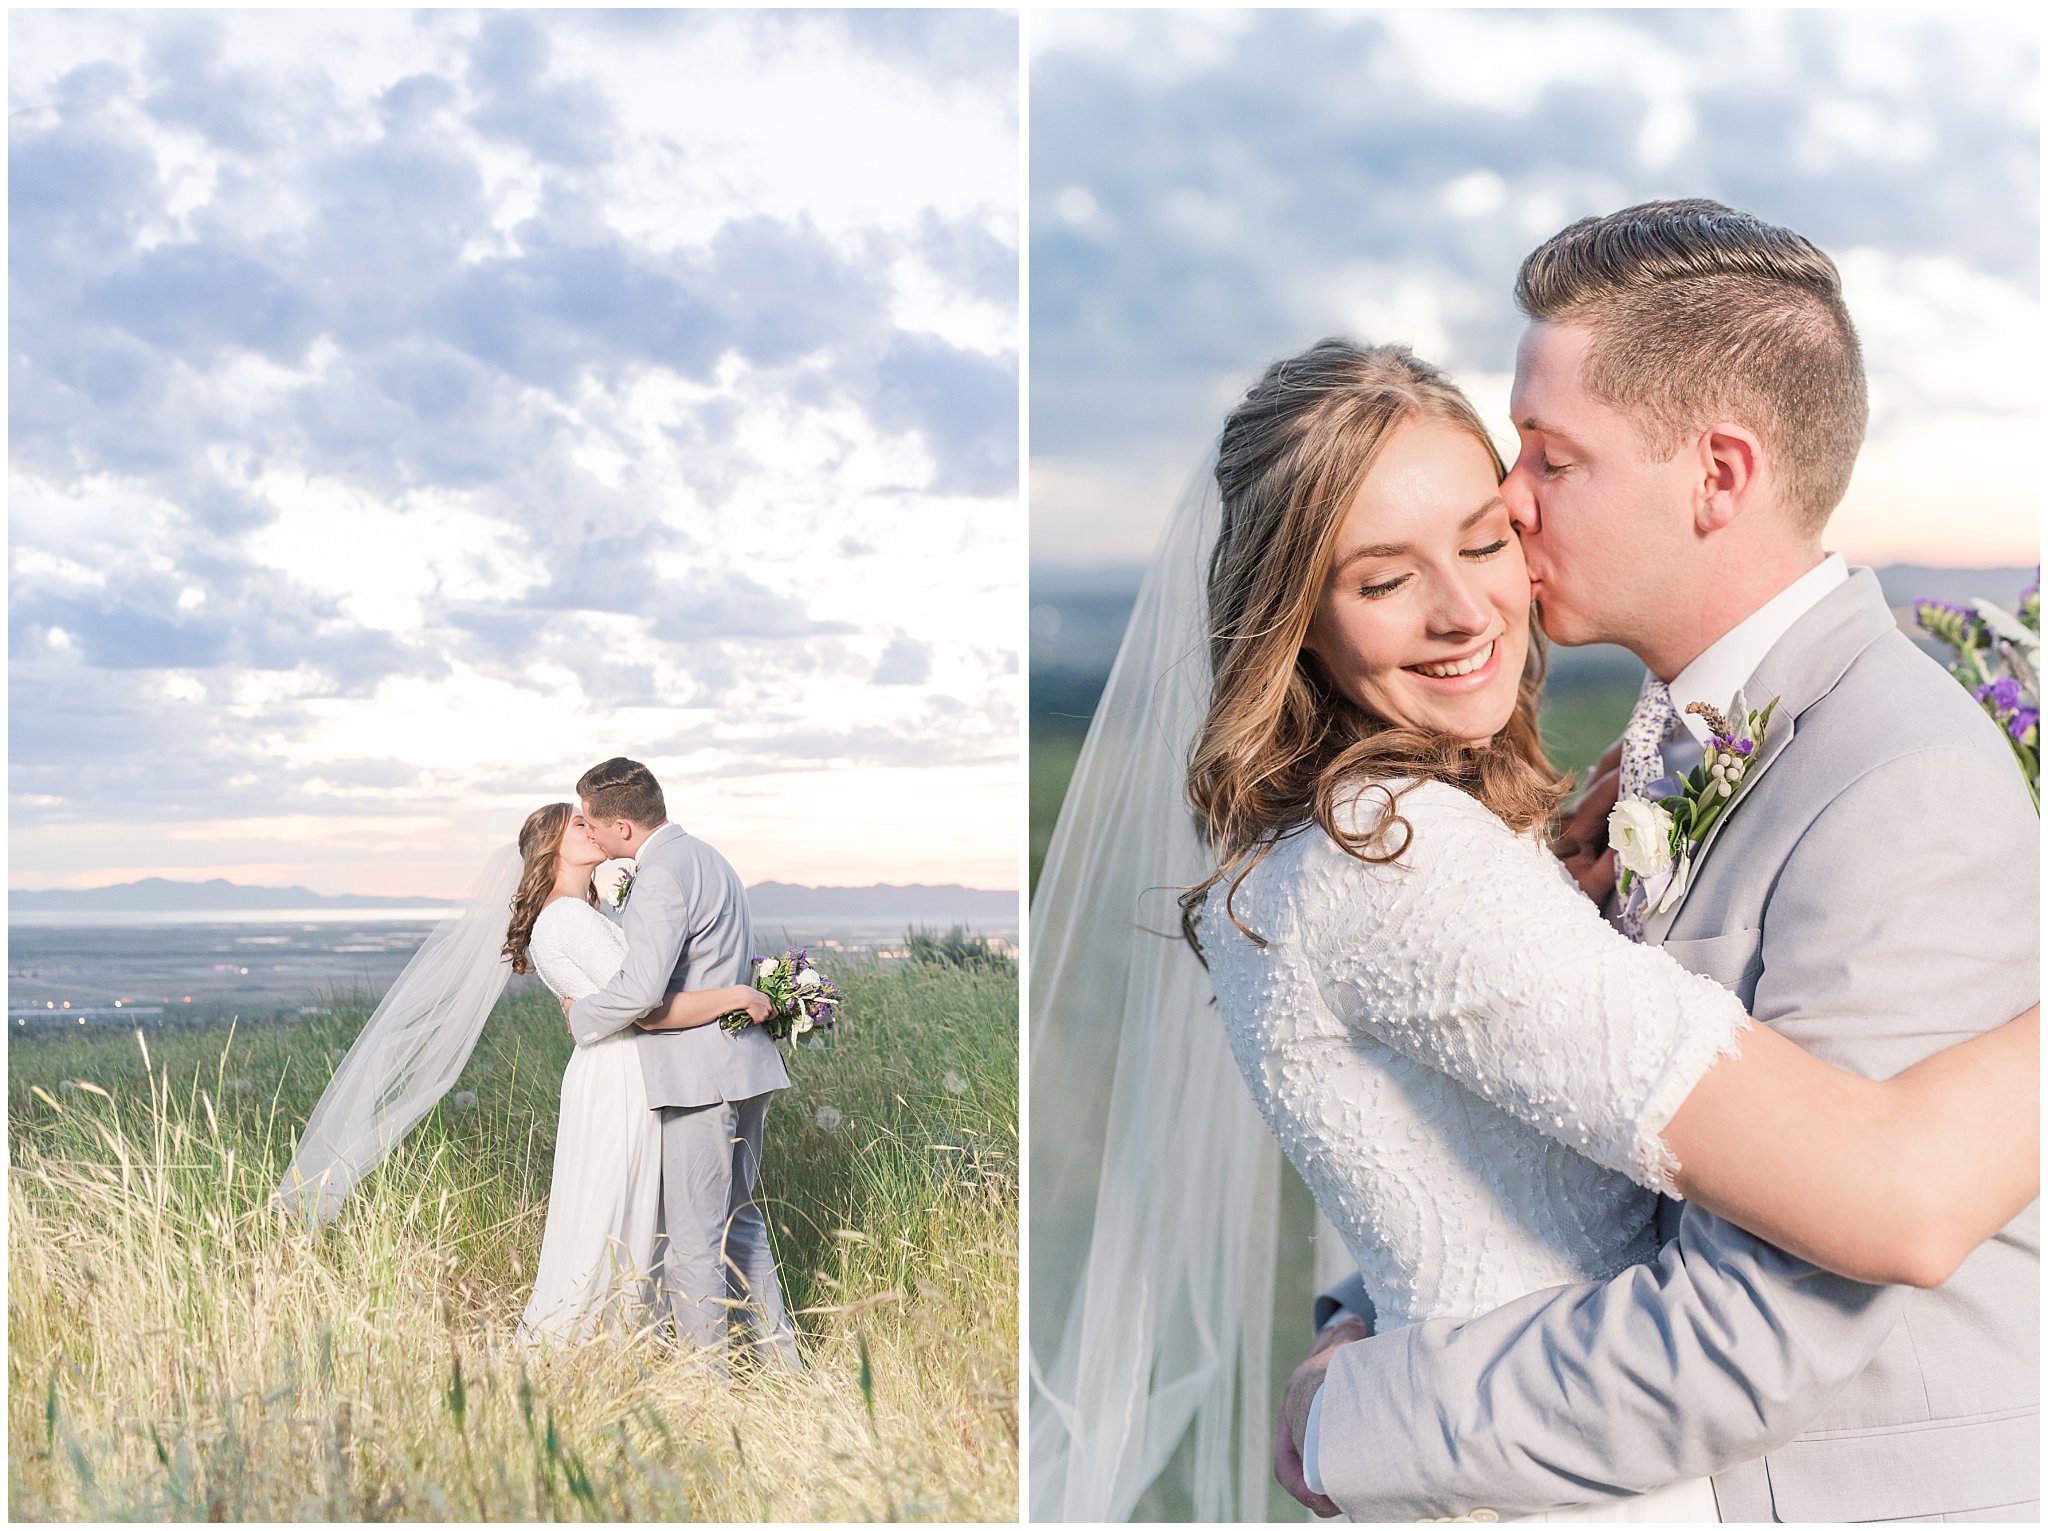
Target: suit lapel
[{"x": 1804, "y": 666}]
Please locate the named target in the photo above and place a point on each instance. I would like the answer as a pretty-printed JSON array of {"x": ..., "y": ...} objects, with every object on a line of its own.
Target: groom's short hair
[
  {"x": 622, "y": 789},
  {"x": 1699, "y": 312}
]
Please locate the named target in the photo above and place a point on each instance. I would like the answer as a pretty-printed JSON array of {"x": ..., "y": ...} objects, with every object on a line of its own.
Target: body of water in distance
[{"x": 96, "y": 968}]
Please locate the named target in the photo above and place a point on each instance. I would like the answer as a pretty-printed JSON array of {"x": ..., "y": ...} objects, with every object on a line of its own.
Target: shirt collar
[
  {"x": 1729, "y": 662},
  {"x": 657, "y": 833}
]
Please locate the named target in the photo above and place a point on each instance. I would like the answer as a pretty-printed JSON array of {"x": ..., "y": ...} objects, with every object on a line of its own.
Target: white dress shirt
[{"x": 1713, "y": 677}]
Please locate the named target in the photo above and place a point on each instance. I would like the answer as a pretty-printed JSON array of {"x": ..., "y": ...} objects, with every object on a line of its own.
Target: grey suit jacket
[
  {"x": 686, "y": 928},
  {"x": 1874, "y": 895}
]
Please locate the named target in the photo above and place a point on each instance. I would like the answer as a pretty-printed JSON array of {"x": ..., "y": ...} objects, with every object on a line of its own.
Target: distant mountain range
[
  {"x": 923, "y": 901},
  {"x": 769, "y": 900},
  {"x": 157, "y": 894}
]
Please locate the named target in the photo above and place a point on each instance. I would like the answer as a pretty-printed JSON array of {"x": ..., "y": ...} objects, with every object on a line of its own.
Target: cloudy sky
[
  {"x": 1210, "y": 191},
  {"x": 410, "y": 409}
]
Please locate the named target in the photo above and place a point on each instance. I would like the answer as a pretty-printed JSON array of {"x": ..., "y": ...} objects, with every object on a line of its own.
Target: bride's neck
[{"x": 570, "y": 882}]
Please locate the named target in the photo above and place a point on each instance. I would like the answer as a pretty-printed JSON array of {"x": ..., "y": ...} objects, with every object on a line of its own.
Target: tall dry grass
[{"x": 179, "y": 1352}]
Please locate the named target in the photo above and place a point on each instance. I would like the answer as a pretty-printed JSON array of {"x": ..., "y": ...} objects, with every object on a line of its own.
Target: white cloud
[
  {"x": 1387, "y": 170},
  {"x": 417, "y": 406}
]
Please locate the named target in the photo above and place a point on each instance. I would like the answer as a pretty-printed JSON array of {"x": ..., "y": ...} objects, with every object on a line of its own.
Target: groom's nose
[{"x": 1518, "y": 489}]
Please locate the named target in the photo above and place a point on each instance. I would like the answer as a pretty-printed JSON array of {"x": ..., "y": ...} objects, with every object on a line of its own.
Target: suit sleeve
[
  {"x": 1724, "y": 1347},
  {"x": 655, "y": 921},
  {"x": 1347, "y": 1296}
]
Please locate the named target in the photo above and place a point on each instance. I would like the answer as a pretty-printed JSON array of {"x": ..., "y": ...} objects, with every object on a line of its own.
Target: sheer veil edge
[
  {"x": 1155, "y": 1186},
  {"x": 411, "y": 1050}
]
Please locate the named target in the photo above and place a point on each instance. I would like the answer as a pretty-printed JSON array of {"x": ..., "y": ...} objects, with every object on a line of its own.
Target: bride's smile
[{"x": 1424, "y": 617}]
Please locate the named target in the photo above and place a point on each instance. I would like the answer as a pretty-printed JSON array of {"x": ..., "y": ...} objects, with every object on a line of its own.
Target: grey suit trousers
[{"x": 716, "y": 1260}]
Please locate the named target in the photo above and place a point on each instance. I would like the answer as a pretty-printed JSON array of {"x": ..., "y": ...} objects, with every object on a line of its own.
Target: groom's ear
[{"x": 1731, "y": 463}]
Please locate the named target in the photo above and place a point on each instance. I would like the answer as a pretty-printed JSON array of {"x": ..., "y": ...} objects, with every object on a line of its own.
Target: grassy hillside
[{"x": 177, "y": 1352}]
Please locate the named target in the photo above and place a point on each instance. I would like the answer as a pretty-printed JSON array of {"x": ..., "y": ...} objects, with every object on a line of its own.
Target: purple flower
[
  {"x": 2001, "y": 695},
  {"x": 2023, "y": 722},
  {"x": 1957, "y": 626},
  {"x": 1922, "y": 609}
]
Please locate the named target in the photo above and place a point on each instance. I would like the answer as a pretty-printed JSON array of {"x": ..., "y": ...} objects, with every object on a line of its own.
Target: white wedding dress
[
  {"x": 597, "y": 1255},
  {"x": 1465, "y": 1063}
]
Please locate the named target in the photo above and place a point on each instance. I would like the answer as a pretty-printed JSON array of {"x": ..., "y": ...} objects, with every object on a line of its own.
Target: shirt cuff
[{"x": 1309, "y": 1474}]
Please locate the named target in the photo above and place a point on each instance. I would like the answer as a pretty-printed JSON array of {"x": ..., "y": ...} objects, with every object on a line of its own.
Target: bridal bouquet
[
  {"x": 805, "y": 999},
  {"x": 1998, "y": 656}
]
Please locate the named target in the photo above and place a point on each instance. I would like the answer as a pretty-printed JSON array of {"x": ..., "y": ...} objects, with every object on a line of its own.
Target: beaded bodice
[{"x": 1467, "y": 1065}]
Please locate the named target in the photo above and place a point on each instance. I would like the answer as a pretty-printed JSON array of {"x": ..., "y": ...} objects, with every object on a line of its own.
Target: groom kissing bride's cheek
[{"x": 1705, "y": 1195}]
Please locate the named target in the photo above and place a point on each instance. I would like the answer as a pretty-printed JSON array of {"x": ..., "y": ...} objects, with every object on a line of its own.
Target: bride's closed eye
[{"x": 1387, "y": 587}]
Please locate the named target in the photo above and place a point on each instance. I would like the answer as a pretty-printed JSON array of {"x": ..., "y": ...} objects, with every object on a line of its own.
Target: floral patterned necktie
[{"x": 1642, "y": 743}]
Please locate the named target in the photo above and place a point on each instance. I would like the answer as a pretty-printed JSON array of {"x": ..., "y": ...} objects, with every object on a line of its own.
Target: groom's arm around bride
[
  {"x": 1803, "y": 1394},
  {"x": 655, "y": 920},
  {"x": 687, "y": 929}
]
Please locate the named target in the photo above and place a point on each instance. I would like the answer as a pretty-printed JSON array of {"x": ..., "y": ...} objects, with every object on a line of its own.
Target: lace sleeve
[
  {"x": 575, "y": 950},
  {"x": 1477, "y": 956}
]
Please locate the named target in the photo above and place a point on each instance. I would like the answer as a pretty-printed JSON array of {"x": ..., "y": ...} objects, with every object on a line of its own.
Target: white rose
[
  {"x": 770, "y": 966},
  {"x": 1640, "y": 832},
  {"x": 807, "y": 979}
]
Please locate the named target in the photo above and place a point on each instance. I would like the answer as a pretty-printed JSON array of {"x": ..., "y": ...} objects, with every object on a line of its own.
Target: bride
[
  {"x": 1480, "y": 1081},
  {"x": 533, "y": 910}
]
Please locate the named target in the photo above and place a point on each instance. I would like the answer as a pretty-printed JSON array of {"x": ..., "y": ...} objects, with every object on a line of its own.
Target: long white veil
[
  {"x": 411, "y": 1050},
  {"x": 1156, "y": 1189}
]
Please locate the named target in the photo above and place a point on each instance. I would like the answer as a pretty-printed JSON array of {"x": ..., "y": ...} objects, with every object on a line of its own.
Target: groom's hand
[
  {"x": 1581, "y": 842},
  {"x": 1292, "y": 1425},
  {"x": 566, "y": 1003}
]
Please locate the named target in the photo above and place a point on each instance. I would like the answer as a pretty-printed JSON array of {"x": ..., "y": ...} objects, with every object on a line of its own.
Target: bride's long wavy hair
[
  {"x": 1281, "y": 747},
  {"x": 540, "y": 846}
]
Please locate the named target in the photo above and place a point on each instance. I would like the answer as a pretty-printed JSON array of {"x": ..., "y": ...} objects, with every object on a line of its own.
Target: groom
[
  {"x": 686, "y": 928},
  {"x": 1690, "y": 401}
]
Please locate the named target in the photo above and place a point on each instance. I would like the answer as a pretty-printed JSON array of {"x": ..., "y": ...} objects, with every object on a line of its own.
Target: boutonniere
[
  {"x": 1657, "y": 842},
  {"x": 613, "y": 880}
]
